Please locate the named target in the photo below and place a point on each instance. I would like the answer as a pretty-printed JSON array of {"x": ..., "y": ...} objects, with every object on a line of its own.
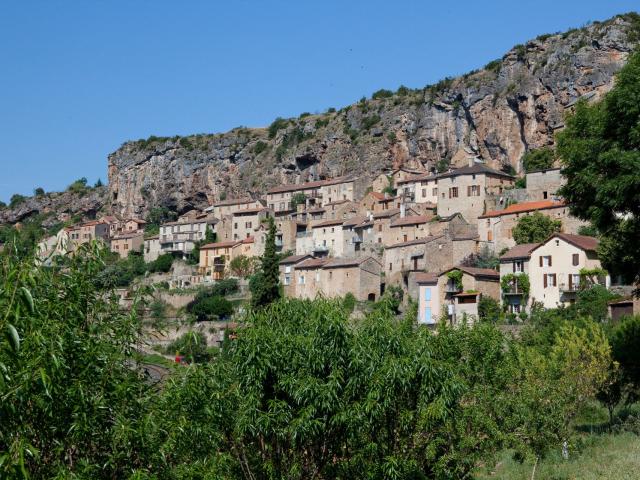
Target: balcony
[
  {"x": 356, "y": 239},
  {"x": 320, "y": 248},
  {"x": 514, "y": 289},
  {"x": 568, "y": 288},
  {"x": 279, "y": 243}
]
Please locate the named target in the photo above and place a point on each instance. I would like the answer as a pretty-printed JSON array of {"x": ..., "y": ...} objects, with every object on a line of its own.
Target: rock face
[{"x": 58, "y": 207}]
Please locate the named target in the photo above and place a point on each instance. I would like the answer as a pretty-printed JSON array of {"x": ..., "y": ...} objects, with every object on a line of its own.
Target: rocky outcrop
[{"x": 57, "y": 207}]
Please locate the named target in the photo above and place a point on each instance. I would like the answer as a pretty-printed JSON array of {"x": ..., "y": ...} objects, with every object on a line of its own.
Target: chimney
[
  {"x": 403, "y": 210},
  {"x": 472, "y": 160},
  {"x": 370, "y": 215}
]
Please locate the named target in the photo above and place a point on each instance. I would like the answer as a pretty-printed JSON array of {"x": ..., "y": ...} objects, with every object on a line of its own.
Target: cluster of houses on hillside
[{"x": 410, "y": 228}]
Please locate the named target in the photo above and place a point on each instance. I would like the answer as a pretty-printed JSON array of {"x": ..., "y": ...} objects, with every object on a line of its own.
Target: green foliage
[
  {"x": 442, "y": 165},
  {"x": 16, "y": 199},
  {"x": 488, "y": 309},
  {"x": 278, "y": 124},
  {"x": 321, "y": 123},
  {"x": 349, "y": 302},
  {"x": 260, "y": 147},
  {"x": 38, "y": 192},
  {"x": 511, "y": 280},
  {"x": 535, "y": 228},
  {"x": 593, "y": 302},
  {"x": 304, "y": 114},
  {"x": 298, "y": 198},
  {"x": 403, "y": 91},
  {"x": 71, "y": 399},
  {"x": 521, "y": 182},
  {"x": 161, "y": 264},
  {"x": 588, "y": 231},
  {"x": 369, "y": 122},
  {"x": 121, "y": 272},
  {"x": 192, "y": 346},
  {"x": 79, "y": 186},
  {"x": 382, "y": 93},
  {"x": 600, "y": 153},
  {"x": 156, "y": 217},
  {"x": 625, "y": 338},
  {"x": 486, "y": 258},
  {"x": 98, "y": 184},
  {"x": 392, "y": 137},
  {"x": 265, "y": 284},
  {"x": 538, "y": 159},
  {"x": 456, "y": 277},
  {"x": 494, "y": 66},
  {"x": 243, "y": 266},
  {"x": 211, "y": 308}
]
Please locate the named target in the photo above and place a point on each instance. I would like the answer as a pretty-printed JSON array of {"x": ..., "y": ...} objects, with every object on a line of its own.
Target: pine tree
[{"x": 265, "y": 285}]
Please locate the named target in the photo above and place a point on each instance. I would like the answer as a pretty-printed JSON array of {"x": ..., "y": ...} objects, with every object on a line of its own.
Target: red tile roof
[
  {"x": 294, "y": 259},
  {"x": 524, "y": 207},
  {"x": 234, "y": 201},
  {"x": 209, "y": 246},
  {"x": 251, "y": 211},
  {"x": 312, "y": 263},
  {"x": 347, "y": 262},
  {"x": 476, "y": 272},
  {"x": 476, "y": 168},
  {"x": 328, "y": 223},
  {"x": 584, "y": 242}
]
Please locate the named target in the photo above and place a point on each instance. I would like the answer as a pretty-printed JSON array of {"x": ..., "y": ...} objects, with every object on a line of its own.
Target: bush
[
  {"x": 79, "y": 186},
  {"x": 488, "y": 310},
  {"x": 161, "y": 264},
  {"x": 594, "y": 302},
  {"x": 16, "y": 199},
  {"x": 349, "y": 302},
  {"x": 278, "y": 124},
  {"x": 38, "y": 192},
  {"x": 211, "y": 308},
  {"x": 382, "y": 93},
  {"x": 259, "y": 147},
  {"x": 535, "y": 228},
  {"x": 539, "y": 159},
  {"x": 368, "y": 122},
  {"x": 192, "y": 346}
]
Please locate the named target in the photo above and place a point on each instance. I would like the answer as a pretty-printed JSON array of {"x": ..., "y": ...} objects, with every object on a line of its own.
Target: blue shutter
[
  {"x": 427, "y": 315},
  {"x": 427, "y": 294}
]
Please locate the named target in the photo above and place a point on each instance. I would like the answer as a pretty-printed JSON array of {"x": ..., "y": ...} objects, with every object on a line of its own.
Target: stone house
[
  {"x": 341, "y": 209},
  {"x": 228, "y": 207},
  {"x": 428, "y": 298},
  {"x": 558, "y": 267},
  {"x": 181, "y": 236},
  {"x": 409, "y": 227},
  {"x": 460, "y": 302},
  {"x": 215, "y": 258},
  {"x": 544, "y": 184},
  {"x": 402, "y": 258},
  {"x": 286, "y": 267},
  {"x": 152, "y": 249},
  {"x": 465, "y": 189},
  {"x": 337, "y": 189},
  {"x": 358, "y": 236},
  {"x": 245, "y": 247},
  {"x": 279, "y": 198},
  {"x": 495, "y": 228},
  {"x": 126, "y": 242},
  {"x": 420, "y": 189},
  {"x": 310, "y": 215},
  {"x": 286, "y": 231},
  {"x": 247, "y": 221},
  {"x": 328, "y": 238},
  {"x": 133, "y": 225},
  {"x": 333, "y": 277},
  {"x": 85, "y": 233},
  {"x": 624, "y": 307},
  {"x": 514, "y": 263},
  {"x": 397, "y": 175},
  {"x": 115, "y": 224}
]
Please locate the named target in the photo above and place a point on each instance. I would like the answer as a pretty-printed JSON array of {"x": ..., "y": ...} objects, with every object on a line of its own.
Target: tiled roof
[
  {"x": 250, "y": 211},
  {"x": 124, "y": 236},
  {"x": 524, "y": 207},
  {"x": 353, "y": 221},
  {"x": 584, "y": 242},
  {"x": 248, "y": 240},
  {"x": 519, "y": 251},
  {"x": 308, "y": 185},
  {"x": 337, "y": 180},
  {"x": 294, "y": 259},
  {"x": 412, "y": 220},
  {"x": 386, "y": 213},
  {"x": 220, "y": 245},
  {"x": 137, "y": 220},
  {"x": 346, "y": 262},
  {"x": 426, "y": 277},
  {"x": 418, "y": 178},
  {"x": 476, "y": 272},
  {"x": 312, "y": 263},
  {"x": 408, "y": 243},
  {"x": 328, "y": 223},
  {"x": 337, "y": 202},
  {"x": 477, "y": 168},
  {"x": 377, "y": 195}
]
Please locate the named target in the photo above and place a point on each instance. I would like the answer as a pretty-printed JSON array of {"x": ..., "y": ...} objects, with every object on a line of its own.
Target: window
[
  {"x": 576, "y": 259},
  {"x": 287, "y": 279},
  {"x": 301, "y": 280},
  {"x": 404, "y": 237},
  {"x": 435, "y": 192},
  {"x": 235, "y": 225},
  {"x": 424, "y": 192},
  {"x": 473, "y": 191},
  {"x": 545, "y": 261},
  {"x": 318, "y": 276},
  {"x": 126, "y": 246},
  {"x": 489, "y": 236},
  {"x": 247, "y": 225},
  {"x": 518, "y": 266},
  {"x": 453, "y": 192},
  {"x": 549, "y": 280},
  {"x": 380, "y": 227},
  {"x": 427, "y": 315},
  {"x": 390, "y": 266},
  {"x": 544, "y": 195},
  {"x": 427, "y": 294}
]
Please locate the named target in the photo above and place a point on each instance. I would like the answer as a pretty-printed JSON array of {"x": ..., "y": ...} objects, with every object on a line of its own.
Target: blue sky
[{"x": 78, "y": 78}]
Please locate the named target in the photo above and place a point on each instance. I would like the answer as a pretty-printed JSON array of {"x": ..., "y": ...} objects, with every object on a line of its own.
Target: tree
[
  {"x": 594, "y": 301},
  {"x": 600, "y": 153},
  {"x": 98, "y": 183},
  {"x": 16, "y": 199},
  {"x": 535, "y": 228},
  {"x": 38, "y": 191},
  {"x": 538, "y": 159},
  {"x": 265, "y": 284},
  {"x": 625, "y": 339},
  {"x": 488, "y": 309},
  {"x": 211, "y": 308},
  {"x": 298, "y": 199},
  {"x": 161, "y": 264},
  {"x": 192, "y": 346},
  {"x": 242, "y": 266}
]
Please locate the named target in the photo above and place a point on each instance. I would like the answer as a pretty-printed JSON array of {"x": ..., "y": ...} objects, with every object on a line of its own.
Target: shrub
[
  {"x": 494, "y": 66},
  {"x": 382, "y": 93},
  {"x": 368, "y": 122},
  {"x": 161, "y": 264},
  {"x": 259, "y": 147},
  {"x": 402, "y": 91},
  {"x": 488, "y": 309},
  {"x": 192, "y": 346},
  {"x": 535, "y": 228},
  {"x": 79, "y": 186},
  {"x": 211, "y": 308},
  {"x": 278, "y": 124},
  {"x": 538, "y": 159},
  {"x": 16, "y": 199},
  {"x": 349, "y": 302},
  {"x": 38, "y": 192}
]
